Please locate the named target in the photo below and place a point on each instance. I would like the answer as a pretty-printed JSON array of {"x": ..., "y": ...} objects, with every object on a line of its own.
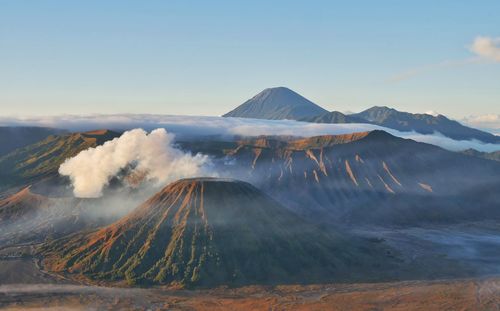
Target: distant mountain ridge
[
  {"x": 277, "y": 104},
  {"x": 333, "y": 117},
  {"x": 282, "y": 103},
  {"x": 43, "y": 158},
  {"x": 13, "y": 137},
  {"x": 423, "y": 123},
  {"x": 495, "y": 155}
]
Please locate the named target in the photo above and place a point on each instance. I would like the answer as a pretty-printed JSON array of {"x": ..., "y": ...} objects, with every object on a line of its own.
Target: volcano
[
  {"x": 277, "y": 104},
  {"x": 207, "y": 232}
]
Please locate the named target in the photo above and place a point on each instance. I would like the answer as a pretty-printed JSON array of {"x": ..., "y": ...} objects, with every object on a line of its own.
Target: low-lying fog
[
  {"x": 474, "y": 246},
  {"x": 189, "y": 126}
]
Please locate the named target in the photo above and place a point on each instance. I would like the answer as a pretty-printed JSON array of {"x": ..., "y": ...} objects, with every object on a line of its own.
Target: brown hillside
[{"x": 208, "y": 232}]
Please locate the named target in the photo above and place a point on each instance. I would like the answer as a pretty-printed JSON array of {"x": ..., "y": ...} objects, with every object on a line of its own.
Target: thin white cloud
[
  {"x": 188, "y": 126},
  {"x": 428, "y": 68},
  {"x": 489, "y": 122},
  {"x": 442, "y": 141},
  {"x": 484, "y": 48},
  {"x": 487, "y": 48},
  {"x": 485, "y": 119}
]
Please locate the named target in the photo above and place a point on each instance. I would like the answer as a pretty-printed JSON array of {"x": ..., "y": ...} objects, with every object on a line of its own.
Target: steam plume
[{"x": 154, "y": 155}]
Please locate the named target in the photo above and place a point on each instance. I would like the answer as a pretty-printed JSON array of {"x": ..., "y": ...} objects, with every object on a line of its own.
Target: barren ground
[
  {"x": 23, "y": 286},
  {"x": 440, "y": 295}
]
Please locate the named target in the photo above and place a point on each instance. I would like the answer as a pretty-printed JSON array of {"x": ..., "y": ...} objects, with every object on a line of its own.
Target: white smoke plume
[{"x": 152, "y": 154}]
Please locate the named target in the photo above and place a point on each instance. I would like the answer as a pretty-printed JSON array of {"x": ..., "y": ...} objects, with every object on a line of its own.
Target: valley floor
[
  {"x": 456, "y": 251},
  {"x": 470, "y": 294},
  {"x": 41, "y": 291}
]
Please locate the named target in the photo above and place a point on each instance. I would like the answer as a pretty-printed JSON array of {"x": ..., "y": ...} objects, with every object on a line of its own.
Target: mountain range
[
  {"x": 423, "y": 123},
  {"x": 283, "y": 103},
  {"x": 369, "y": 177},
  {"x": 282, "y": 211}
]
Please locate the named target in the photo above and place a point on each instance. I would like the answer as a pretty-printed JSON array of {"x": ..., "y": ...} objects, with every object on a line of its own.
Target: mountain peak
[
  {"x": 196, "y": 182},
  {"x": 207, "y": 232},
  {"x": 422, "y": 123},
  {"x": 383, "y": 108},
  {"x": 380, "y": 135},
  {"x": 277, "y": 103},
  {"x": 100, "y": 136},
  {"x": 277, "y": 89},
  {"x": 99, "y": 132},
  {"x": 21, "y": 204},
  {"x": 378, "y": 113}
]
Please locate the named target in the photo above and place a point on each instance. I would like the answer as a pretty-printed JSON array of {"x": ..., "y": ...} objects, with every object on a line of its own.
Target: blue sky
[{"x": 206, "y": 57}]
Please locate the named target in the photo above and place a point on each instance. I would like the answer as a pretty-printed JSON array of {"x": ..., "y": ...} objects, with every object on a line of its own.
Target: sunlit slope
[
  {"x": 207, "y": 232},
  {"x": 13, "y": 137},
  {"x": 42, "y": 159}
]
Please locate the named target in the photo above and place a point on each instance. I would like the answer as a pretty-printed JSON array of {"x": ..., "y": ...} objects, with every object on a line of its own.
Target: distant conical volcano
[
  {"x": 276, "y": 104},
  {"x": 208, "y": 232}
]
